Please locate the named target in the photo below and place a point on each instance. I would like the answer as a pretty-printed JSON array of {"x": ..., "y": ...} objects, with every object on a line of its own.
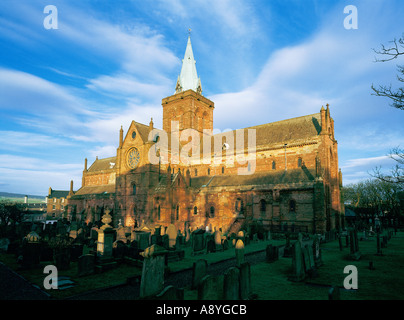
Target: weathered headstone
[
  {"x": 199, "y": 270},
  {"x": 298, "y": 272},
  {"x": 239, "y": 250},
  {"x": 245, "y": 281},
  {"x": 105, "y": 237},
  {"x": 333, "y": 293},
  {"x": 272, "y": 253},
  {"x": 143, "y": 239},
  {"x": 198, "y": 241},
  {"x": 86, "y": 265},
  {"x": 354, "y": 254},
  {"x": 317, "y": 251},
  {"x": 170, "y": 293},
  {"x": 4, "y": 243},
  {"x": 218, "y": 240},
  {"x": 231, "y": 284},
  {"x": 152, "y": 282},
  {"x": 208, "y": 288},
  {"x": 172, "y": 235},
  {"x": 306, "y": 259}
]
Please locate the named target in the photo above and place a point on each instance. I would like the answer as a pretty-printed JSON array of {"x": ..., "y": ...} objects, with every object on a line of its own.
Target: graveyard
[{"x": 163, "y": 263}]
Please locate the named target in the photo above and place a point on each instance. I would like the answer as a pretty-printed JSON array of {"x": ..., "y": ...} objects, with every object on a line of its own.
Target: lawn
[{"x": 269, "y": 280}]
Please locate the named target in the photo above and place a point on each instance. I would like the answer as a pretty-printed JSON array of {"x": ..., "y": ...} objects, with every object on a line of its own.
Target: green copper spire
[{"x": 188, "y": 78}]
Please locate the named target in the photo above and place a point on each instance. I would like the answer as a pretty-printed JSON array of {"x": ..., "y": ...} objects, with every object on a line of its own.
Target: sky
[{"x": 68, "y": 84}]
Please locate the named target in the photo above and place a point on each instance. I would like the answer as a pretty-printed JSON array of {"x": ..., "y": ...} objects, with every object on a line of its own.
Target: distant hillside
[{"x": 20, "y": 197}]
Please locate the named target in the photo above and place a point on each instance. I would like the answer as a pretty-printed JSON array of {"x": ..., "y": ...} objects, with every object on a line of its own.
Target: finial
[{"x": 189, "y": 32}]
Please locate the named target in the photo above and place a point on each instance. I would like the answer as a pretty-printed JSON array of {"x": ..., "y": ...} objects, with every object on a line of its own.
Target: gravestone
[
  {"x": 119, "y": 249},
  {"x": 86, "y": 265},
  {"x": 379, "y": 250},
  {"x": 73, "y": 230},
  {"x": 198, "y": 241},
  {"x": 143, "y": 239},
  {"x": 4, "y": 243},
  {"x": 199, "y": 270},
  {"x": 317, "y": 251},
  {"x": 165, "y": 241},
  {"x": 218, "y": 240},
  {"x": 105, "y": 237},
  {"x": 333, "y": 293},
  {"x": 340, "y": 242},
  {"x": 306, "y": 259},
  {"x": 208, "y": 288},
  {"x": 170, "y": 293},
  {"x": 31, "y": 250},
  {"x": 287, "y": 251},
  {"x": 245, "y": 280},
  {"x": 210, "y": 246},
  {"x": 231, "y": 284},
  {"x": 354, "y": 254},
  {"x": 121, "y": 234},
  {"x": 272, "y": 253},
  {"x": 152, "y": 282},
  {"x": 172, "y": 235},
  {"x": 239, "y": 250},
  {"x": 298, "y": 272}
]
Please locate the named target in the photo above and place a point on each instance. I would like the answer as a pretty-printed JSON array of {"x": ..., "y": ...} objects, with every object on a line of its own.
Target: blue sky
[{"x": 64, "y": 93}]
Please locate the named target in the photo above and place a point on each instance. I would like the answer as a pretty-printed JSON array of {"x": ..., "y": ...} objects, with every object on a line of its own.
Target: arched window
[
  {"x": 299, "y": 162},
  {"x": 292, "y": 206},
  {"x": 134, "y": 189},
  {"x": 239, "y": 205},
  {"x": 222, "y": 170},
  {"x": 195, "y": 210},
  {"x": 263, "y": 207},
  {"x": 212, "y": 212},
  {"x": 177, "y": 212},
  {"x": 196, "y": 172},
  {"x": 158, "y": 212},
  {"x": 208, "y": 171},
  {"x": 273, "y": 165}
]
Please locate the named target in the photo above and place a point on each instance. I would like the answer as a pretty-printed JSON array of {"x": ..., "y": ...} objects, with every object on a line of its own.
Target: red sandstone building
[{"x": 284, "y": 174}]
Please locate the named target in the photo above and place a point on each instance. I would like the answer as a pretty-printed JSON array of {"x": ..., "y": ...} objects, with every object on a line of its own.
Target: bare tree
[
  {"x": 397, "y": 172},
  {"x": 390, "y": 53}
]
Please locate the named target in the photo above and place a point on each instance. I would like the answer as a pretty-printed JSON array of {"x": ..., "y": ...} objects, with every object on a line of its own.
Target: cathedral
[{"x": 283, "y": 175}]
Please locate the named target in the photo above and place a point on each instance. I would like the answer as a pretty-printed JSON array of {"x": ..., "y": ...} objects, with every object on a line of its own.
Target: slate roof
[
  {"x": 276, "y": 134},
  {"x": 58, "y": 194},
  {"x": 102, "y": 164},
  {"x": 109, "y": 188},
  {"x": 272, "y": 179}
]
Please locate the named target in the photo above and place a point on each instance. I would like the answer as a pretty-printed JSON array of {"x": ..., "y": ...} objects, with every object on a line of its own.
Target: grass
[
  {"x": 269, "y": 281},
  {"x": 386, "y": 282}
]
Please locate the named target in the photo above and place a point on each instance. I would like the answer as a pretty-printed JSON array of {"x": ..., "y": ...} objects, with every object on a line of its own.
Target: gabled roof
[
  {"x": 58, "y": 194},
  {"x": 103, "y": 189},
  {"x": 103, "y": 164},
  {"x": 276, "y": 134},
  {"x": 273, "y": 179}
]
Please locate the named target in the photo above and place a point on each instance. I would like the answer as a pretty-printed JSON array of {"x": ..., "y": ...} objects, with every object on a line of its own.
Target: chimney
[
  {"x": 120, "y": 137},
  {"x": 71, "y": 188},
  {"x": 188, "y": 178},
  {"x": 50, "y": 191},
  {"x": 169, "y": 175},
  {"x": 151, "y": 124},
  {"x": 85, "y": 164},
  {"x": 323, "y": 121}
]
